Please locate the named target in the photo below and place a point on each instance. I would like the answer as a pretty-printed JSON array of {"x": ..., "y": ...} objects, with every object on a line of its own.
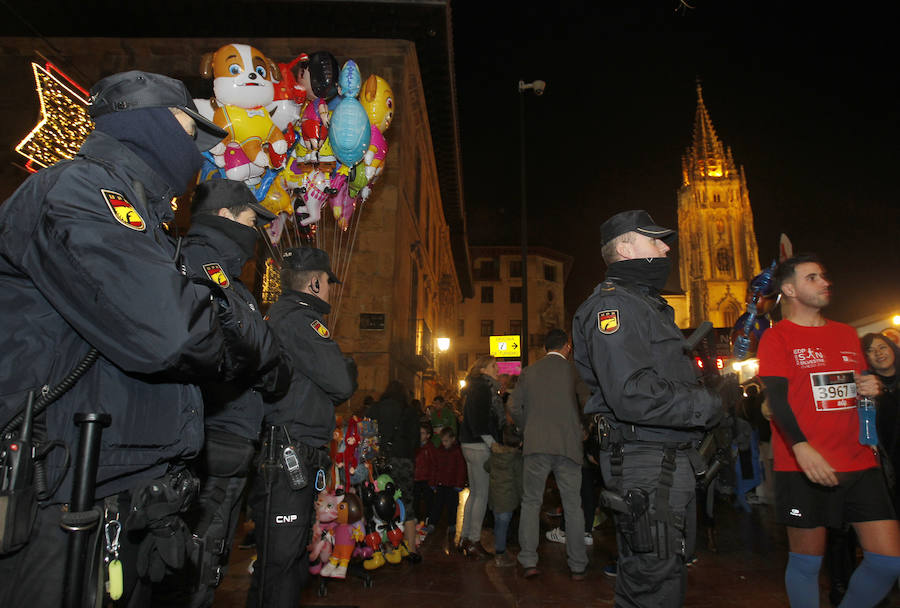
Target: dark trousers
[
  {"x": 590, "y": 483},
  {"x": 282, "y": 533},
  {"x": 213, "y": 521},
  {"x": 647, "y": 580},
  {"x": 423, "y": 497},
  {"x": 445, "y": 499},
  {"x": 219, "y": 510},
  {"x": 34, "y": 576}
]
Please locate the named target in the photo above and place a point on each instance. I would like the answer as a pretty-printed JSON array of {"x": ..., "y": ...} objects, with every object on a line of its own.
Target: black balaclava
[
  {"x": 156, "y": 136},
  {"x": 243, "y": 236},
  {"x": 653, "y": 272}
]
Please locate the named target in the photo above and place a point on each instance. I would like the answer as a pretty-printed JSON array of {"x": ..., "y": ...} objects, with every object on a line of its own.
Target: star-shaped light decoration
[{"x": 64, "y": 124}]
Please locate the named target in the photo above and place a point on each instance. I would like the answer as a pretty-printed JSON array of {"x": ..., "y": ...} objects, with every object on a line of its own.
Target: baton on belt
[{"x": 81, "y": 518}]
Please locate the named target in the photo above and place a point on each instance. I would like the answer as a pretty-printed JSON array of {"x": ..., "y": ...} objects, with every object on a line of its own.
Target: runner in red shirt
[{"x": 823, "y": 476}]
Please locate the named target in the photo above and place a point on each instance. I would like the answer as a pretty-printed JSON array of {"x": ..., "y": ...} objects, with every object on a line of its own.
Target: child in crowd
[
  {"x": 423, "y": 495},
  {"x": 447, "y": 479},
  {"x": 505, "y": 494},
  {"x": 442, "y": 415}
]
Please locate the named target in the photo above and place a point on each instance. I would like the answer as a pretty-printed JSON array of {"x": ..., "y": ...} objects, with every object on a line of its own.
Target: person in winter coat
[
  {"x": 423, "y": 494},
  {"x": 883, "y": 357},
  {"x": 323, "y": 378},
  {"x": 398, "y": 427},
  {"x": 91, "y": 293},
  {"x": 448, "y": 478},
  {"x": 482, "y": 416},
  {"x": 505, "y": 469}
]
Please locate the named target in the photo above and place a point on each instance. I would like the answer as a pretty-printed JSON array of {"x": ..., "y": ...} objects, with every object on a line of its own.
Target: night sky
[{"x": 807, "y": 100}]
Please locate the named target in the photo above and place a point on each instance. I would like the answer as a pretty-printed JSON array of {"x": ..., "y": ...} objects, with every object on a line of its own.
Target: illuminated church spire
[
  {"x": 717, "y": 242},
  {"x": 707, "y": 157}
]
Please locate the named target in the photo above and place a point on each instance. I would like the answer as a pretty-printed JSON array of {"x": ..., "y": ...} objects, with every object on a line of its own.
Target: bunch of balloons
[{"x": 303, "y": 135}]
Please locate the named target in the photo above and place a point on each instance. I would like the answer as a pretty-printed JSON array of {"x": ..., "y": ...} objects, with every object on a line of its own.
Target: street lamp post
[{"x": 538, "y": 87}]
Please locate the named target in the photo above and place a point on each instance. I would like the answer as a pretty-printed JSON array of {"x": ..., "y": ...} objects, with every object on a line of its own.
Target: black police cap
[
  {"x": 635, "y": 220},
  {"x": 308, "y": 258},
  {"x": 217, "y": 193},
  {"x": 135, "y": 89}
]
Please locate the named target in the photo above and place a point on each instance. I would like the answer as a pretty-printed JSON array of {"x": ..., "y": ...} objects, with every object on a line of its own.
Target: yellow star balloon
[{"x": 64, "y": 123}]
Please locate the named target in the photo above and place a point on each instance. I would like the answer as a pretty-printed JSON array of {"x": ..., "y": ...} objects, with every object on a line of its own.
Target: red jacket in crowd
[
  {"x": 425, "y": 462},
  {"x": 449, "y": 467}
]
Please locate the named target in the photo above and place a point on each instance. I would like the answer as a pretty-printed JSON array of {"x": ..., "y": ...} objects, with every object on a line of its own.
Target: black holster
[{"x": 633, "y": 519}]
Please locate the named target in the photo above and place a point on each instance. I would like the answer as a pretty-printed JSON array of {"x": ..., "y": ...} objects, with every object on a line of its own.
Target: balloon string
[
  {"x": 354, "y": 232},
  {"x": 350, "y": 249},
  {"x": 337, "y": 257},
  {"x": 341, "y": 263}
]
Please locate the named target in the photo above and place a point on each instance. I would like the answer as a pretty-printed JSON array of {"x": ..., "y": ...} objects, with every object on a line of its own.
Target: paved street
[{"x": 746, "y": 570}]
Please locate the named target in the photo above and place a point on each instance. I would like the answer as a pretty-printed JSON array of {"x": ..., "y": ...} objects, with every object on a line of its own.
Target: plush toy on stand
[
  {"x": 335, "y": 533},
  {"x": 385, "y": 515}
]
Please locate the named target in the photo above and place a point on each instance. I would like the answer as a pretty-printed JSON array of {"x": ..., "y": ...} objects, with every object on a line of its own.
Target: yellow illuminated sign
[{"x": 505, "y": 346}]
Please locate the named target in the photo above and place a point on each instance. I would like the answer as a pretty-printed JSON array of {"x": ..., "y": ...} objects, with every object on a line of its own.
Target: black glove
[
  {"x": 274, "y": 384},
  {"x": 728, "y": 389},
  {"x": 250, "y": 347},
  {"x": 163, "y": 549},
  {"x": 154, "y": 511},
  {"x": 729, "y": 394}
]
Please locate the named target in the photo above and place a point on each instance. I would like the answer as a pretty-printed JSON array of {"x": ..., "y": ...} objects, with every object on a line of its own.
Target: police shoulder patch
[
  {"x": 608, "y": 321},
  {"x": 215, "y": 273},
  {"x": 320, "y": 329},
  {"x": 123, "y": 211}
]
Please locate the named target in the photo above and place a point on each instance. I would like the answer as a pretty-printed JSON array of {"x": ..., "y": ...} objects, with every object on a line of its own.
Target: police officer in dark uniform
[
  {"x": 282, "y": 504},
  {"x": 85, "y": 264},
  {"x": 652, "y": 410},
  {"x": 223, "y": 236}
]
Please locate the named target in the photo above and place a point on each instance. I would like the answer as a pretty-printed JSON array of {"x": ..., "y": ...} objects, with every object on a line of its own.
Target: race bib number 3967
[{"x": 833, "y": 390}]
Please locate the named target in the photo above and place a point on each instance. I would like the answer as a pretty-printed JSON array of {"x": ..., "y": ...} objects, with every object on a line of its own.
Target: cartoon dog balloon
[{"x": 243, "y": 88}]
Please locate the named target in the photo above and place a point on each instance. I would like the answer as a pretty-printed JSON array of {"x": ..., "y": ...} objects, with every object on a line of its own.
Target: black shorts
[{"x": 859, "y": 496}]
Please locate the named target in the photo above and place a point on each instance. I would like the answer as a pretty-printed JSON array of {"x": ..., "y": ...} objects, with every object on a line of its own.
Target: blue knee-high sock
[
  {"x": 802, "y": 580},
  {"x": 871, "y": 581}
]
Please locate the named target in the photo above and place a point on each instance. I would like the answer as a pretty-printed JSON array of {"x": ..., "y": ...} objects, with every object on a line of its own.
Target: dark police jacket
[
  {"x": 235, "y": 407},
  {"x": 84, "y": 261},
  {"x": 322, "y": 377},
  {"x": 630, "y": 353}
]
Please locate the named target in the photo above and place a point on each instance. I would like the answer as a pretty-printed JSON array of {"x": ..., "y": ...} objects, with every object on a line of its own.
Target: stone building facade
[{"x": 496, "y": 308}]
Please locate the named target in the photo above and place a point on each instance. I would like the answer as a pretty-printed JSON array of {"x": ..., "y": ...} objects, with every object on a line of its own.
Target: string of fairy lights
[{"x": 64, "y": 123}]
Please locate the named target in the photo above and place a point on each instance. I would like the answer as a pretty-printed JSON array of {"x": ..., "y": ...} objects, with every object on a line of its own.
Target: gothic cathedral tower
[{"x": 716, "y": 240}]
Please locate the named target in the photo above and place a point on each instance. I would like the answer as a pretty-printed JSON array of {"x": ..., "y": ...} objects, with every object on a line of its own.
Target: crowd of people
[{"x": 152, "y": 357}]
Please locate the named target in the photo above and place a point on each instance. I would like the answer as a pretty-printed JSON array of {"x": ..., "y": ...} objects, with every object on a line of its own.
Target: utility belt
[
  {"x": 645, "y": 530},
  {"x": 299, "y": 461}
]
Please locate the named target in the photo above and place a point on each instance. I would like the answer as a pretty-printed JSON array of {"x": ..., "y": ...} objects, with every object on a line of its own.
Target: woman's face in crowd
[
  {"x": 881, "y": 356},
  {"x": 423, "y": 435},
  {"x": 492, "y": 370}
]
